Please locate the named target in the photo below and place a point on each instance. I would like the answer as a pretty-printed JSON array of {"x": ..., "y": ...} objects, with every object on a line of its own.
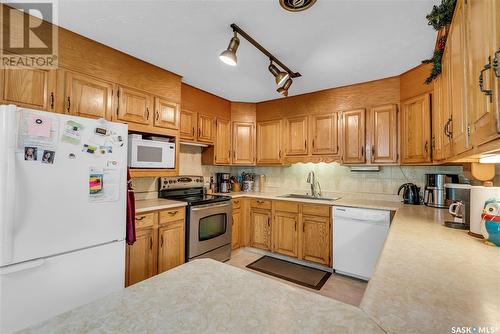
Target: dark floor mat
[{"x": 296, "y": 273}]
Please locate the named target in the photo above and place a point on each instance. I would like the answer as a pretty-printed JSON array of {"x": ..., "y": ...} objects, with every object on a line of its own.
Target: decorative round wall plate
[{"x": 296, "y": 5}]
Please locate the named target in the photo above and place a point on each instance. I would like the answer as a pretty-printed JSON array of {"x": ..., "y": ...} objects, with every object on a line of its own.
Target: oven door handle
[{"x": 211, "y": 206}]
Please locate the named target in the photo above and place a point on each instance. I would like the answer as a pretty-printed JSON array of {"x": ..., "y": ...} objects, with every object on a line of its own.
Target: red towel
[{"x": 130, "y": 211}]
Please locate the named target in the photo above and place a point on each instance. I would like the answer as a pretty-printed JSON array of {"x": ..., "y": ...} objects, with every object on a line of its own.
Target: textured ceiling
[{"x": 332, "y": 44}]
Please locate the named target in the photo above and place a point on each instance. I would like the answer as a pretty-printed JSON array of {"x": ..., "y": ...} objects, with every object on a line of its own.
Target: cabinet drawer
[
  {"x": 287, "y": 206},
  {"x": 172, "y": 215},
  {"x": 316, "y": 210},
  {"x": 260, "y": 203},
  {"x": 145, "y": 220},
  {"x": 236, "y": 203}
]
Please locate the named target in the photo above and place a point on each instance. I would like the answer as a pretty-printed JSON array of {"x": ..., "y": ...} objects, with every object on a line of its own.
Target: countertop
[
  {"x": 156, "y": 204},
  {"x": 205, "y": 296},
  {"x": 430, "y": 278}
]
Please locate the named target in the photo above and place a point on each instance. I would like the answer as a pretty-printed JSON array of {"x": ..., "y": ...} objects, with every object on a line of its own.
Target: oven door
[{"x": 209, "y": 228}]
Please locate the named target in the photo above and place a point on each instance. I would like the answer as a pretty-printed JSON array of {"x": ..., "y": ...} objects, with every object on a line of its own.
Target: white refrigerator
[{"x": 62, "y": 213}]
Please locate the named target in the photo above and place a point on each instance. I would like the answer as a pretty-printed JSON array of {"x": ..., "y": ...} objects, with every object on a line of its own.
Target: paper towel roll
[{"x": 479, "y": 195}]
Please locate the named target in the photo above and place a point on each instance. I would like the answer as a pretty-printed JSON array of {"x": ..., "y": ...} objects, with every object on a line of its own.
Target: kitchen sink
[{"x": 309, "y": 197}]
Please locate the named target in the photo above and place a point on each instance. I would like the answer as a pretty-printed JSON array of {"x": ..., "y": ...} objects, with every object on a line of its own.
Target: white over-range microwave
[{"x": 146, "y": 153}]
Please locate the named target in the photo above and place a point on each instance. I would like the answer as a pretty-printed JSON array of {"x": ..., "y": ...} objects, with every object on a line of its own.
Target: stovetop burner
[{"x": 188, "y": 189}]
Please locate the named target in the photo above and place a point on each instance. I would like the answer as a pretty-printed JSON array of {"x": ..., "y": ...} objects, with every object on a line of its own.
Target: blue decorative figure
[{"x": 490, "y": 226}]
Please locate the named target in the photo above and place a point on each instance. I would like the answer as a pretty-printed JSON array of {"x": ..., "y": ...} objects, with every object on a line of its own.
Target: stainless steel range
[{"x": 208, "y": 217}]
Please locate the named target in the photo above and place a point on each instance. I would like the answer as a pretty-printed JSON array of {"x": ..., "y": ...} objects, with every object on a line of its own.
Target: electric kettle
[{"x": 411, "y": 193}]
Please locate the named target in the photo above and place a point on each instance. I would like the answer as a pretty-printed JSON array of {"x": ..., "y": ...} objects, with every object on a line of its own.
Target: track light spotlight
[
  {"x": 228, "y": 56},
  {"x": 280, "y": 76},
  {"x": 284, "y": 89}
]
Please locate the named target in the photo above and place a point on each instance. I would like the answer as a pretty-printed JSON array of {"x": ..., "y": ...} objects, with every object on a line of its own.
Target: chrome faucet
[{"x": 315, "y": 186}]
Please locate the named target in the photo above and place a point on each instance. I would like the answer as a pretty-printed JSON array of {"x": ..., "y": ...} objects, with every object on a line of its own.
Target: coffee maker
[
  {"x": 458, "y": 201},
  {"x": 434, "y": 192},
  {"x": 223, "y": 185}
]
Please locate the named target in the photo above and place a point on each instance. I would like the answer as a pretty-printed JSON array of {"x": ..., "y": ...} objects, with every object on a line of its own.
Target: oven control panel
[{"x": 180, "y": 182}]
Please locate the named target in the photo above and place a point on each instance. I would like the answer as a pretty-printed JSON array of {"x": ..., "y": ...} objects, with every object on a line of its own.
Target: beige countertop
[
  {"x": 430, "y": 278},
  {"x": 205, "y": 296},
  {"x": 156, "y": 204}
]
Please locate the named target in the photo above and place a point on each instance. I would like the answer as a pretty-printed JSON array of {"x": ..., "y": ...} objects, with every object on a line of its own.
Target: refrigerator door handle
[
  {"x": 15, "y": 268},
  {"x": 8, "y": 129}
]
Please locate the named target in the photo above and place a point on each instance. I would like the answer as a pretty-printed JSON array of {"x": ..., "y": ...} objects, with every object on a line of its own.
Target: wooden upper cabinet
[
  {"x": 87, "y": 96},
  {"x": 285, "y": 235},
  {"x": 384, "y": 134},
  {"x": 269, "y": 142},
  {"x": 295, "y": 135},
  {"x": 206, "y": 128},
  {"x": 353, "y": 123},
  {"x": 243, "y": 143},
  {"x": 171, "y": 245},
  {"x": 438, "y": 123},
  {"x": 458, "y": 80},
  {"x": 416, "y": 130},
  {"x": 324, "y": 134},
  {"x": 316, "y": 239},
  {"x": 223, "y": 141},
  {"x": 188, "y": 124},
  {"x": 30, "y": 88},
  {"x": 134, "y": 106},
  {"x": 260, "y": 229},
  {"x": 483, "y": 19},
  {"x": 141, "y": 257},
  {"x": 444, "y": 107},
  {"x": 167, "y": 114}
]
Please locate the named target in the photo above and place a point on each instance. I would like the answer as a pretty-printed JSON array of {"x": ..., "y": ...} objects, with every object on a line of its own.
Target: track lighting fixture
[
  {"x": 281, "y": 76},
  {"x": 228, "y": 56},
  {"x": 284, "y": 89}
]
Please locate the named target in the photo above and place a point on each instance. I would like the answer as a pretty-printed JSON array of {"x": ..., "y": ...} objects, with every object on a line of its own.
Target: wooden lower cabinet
[
  {"x": 171, "y": 245},
  {"x": 159, "y": 244},
  {"x": 236, "y": 228},
  {"x": 260, "y": 229},
  {"x": 140, "y": 263},
  {"x": 316, "y": 239},
  {"x": 285, "y": 233}
]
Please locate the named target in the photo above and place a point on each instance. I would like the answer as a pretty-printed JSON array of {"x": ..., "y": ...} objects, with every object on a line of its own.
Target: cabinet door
[
  {"x": 223, "y": 142},
  {"x": 458, "y": 70},
  {"x": 354, "y": 136},
  {"x": 243, "y": 143},
  {"x": 260, "y": 229},
  {"x": 269, "y": 142},
  {"x": 446, "y": 116},
  {"x": 167, "y": 114},
  {"x": 324, "y": 134},
  {"x": 235, "y": 229},
  {"x": 134, "y": 106},
  {"x": 483, "y": 19},
  {"x": 285, "y": 233},
  {"x": 415, "y": 130},
  {"x": 31, "y": 88},
  {"x": 295, "y": 134},
  {"x": 316, "y": 239},
  {"x": 384, "y": 134},
  {"x": 206, "y": 128},
  {"x": 438, "y": 124},
  {"x": 141, "y": 257},
  {"x": 171, "y": 245},
  {"x": 86, "y": 96},
  {"x": 188, "y": 124}
]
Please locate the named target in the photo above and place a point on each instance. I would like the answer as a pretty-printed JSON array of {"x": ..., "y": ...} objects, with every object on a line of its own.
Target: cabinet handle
[
  {"x": 199, "y": 132},
  {"x": 69, "y": 104},
  {"x": 495, "y": 64},
  {"x": 268, "y": 223},
  {"x": 161, "y": 240},
  {"x": 487, "y": 92},
  {"x": 305, "y": 144},
  {"x": 150, "y": 242},
  {"x": 51, "y": 100},
  {"x": 193, "y": 131},
  {"x": 313, "y": 143},
  {"x": 229, "y": 154},
  {"x": 295, "y": 226},
  {"x": 362, "y": 151},
  {"x": 426, "y": 147},
  {"x": 373, "y": 152},
  {"x": 157, "y": 115},
  {"x": 234, "y": 154},
  {"x": 172, "y": 213},
  {"x": 147, "y": 113},
  {"x": 140, "y": 218},
  {"x": 280, "y": 154},
  {"x": 447, "y": 131},
  {"x": 236, "y": 202}
]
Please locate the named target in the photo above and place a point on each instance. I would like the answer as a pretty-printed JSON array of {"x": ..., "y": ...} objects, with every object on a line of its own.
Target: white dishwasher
[{"x": 358, "y": 238}]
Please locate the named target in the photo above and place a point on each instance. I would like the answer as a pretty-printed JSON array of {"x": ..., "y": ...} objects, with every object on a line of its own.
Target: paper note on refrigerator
[
  {"x": 39, "y": 126},
  {"x": 104, "y": 184}
]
